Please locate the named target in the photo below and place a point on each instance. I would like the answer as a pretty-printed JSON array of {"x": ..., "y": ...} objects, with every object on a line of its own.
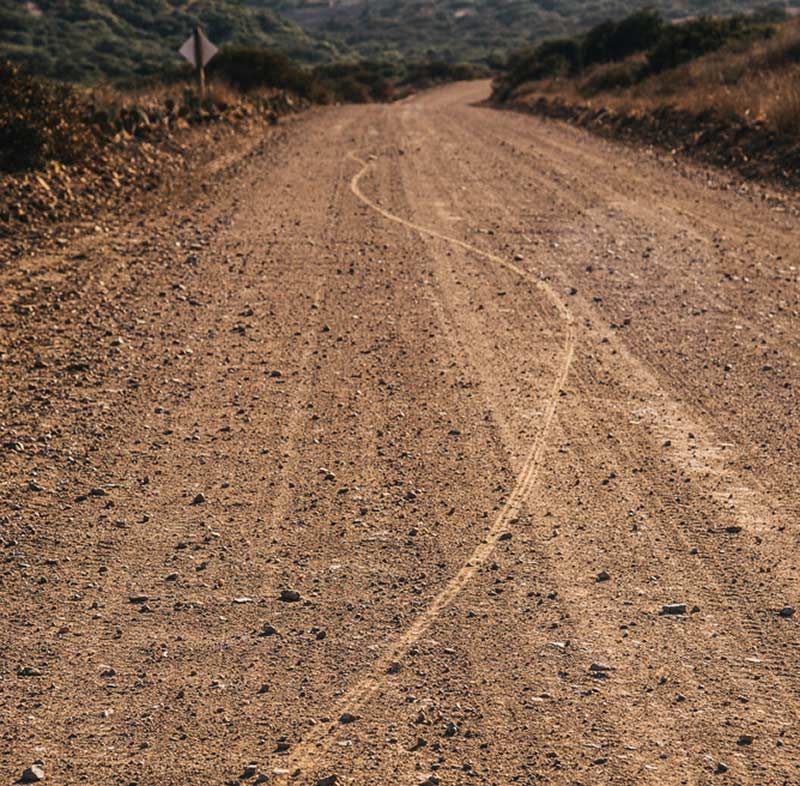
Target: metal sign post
[{"x": 198, "y": 50}]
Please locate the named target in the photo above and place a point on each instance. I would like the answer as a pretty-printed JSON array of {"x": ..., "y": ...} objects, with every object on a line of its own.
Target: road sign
[
  {"x": 196, "y": 44},
  {"x": 198, "y": 50}
]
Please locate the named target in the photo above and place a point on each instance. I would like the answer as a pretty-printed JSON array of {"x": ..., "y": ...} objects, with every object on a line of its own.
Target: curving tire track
[{"x": 314, "y": 744}]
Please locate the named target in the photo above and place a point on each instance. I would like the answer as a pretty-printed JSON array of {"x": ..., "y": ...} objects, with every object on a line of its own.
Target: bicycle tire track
[{"x": 314, "y": 744}]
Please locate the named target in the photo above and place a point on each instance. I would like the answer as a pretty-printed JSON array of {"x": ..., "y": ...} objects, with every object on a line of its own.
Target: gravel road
[{"x": 429, "y": 444}]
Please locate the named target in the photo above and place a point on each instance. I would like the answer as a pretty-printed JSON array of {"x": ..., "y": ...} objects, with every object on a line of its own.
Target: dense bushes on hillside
[
  {"x": 350, "y": 82},
  {"x": 96, "y": 40},
  {"x": 663, "y": 45},
  {"x": 681, "y": 43},
  {"x": 247, "y": 68},
  {"x": 750, "y": 77},
  {"x": 611, "y": 41}
]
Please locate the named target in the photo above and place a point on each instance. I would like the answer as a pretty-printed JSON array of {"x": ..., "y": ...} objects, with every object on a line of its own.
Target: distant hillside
[
  {"x": 85, "y": 40},
  {"x": 91, "y": 39},
  {"x": 473, "y": 30}
]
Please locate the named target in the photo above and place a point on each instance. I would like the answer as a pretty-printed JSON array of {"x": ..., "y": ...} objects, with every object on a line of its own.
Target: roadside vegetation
[
  {"x": 44, "y": 122},
  {"x": 745, "y": 68}
]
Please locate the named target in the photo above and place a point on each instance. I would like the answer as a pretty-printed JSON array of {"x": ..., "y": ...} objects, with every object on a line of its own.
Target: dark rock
[{"x": 33, "y": 774}]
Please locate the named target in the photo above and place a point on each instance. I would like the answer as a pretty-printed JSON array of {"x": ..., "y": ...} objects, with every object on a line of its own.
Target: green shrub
[
  {"x": 612, "y": 41},
  {"x": 248, "y": 68},
  {"x": 684, "y": 42},
  {"x": 666, "y": 46},
  {"x": 359, "y": 82}
]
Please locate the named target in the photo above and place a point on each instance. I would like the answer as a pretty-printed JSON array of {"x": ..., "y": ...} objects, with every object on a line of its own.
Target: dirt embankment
[
  {"x": 751, "y": 149},
  {"x": 150, "y": 157}
]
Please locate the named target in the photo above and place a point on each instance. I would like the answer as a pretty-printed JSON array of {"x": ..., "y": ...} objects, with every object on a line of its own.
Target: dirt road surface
[{"x": 381, "y": 462}]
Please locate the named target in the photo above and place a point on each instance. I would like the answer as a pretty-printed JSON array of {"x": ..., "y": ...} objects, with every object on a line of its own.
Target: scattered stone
[
  {"x": 420, "y": 743},
  {"x": 733, "y": 529},
  {"x": 519, "y": 258},
  {"x": 347, "y": 717},
  {"x": 602, "y": 576},
  {"x": 328, "y": 780},
  {"x": 34, "y": 486},
  {"x": 744, "y": 739},
  {"x": 199, "y": 499},
  {"x": 786, "y": 612},
  {"x": 451, "y": 730},
  {"x": 29, "y": 671},
  {"x": 600, "y": 670},
  {"x": 290, "y": 596},
  {"x": 674, "y": 608},
  {"x": 107, "y": 671},
  {"x": 505, "y": 536},
  {"x": 250, "y": 770},
  {"x": 171, "y": 577},
  {"x": 243, "y": 599},
  {"x": 138, "y": 599},
  {"x": 394, "y": 668},
  {"x": 720, "y": 768},
  {"x": 268, "y": 630},
  {"x": 33, "y": 774}
]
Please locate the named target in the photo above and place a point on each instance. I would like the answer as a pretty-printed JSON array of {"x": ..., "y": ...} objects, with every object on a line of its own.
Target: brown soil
[
  {"x": 487, "y": 392},
  {"x": 749, "y": 148}
]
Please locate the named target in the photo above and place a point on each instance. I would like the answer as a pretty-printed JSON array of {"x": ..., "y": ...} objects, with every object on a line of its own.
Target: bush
[
  {"x": 359, "y": 82},
  {"x": 667, "y": 46},
  {"x": 613, "y": 76},
  {"x": 612, "y": 41},
  {"x": 436, "y": 72},
  {"x": 249, "y": 68},
  {"x": 41, "y": 121},
  {"x": 681, "y": 43}
]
